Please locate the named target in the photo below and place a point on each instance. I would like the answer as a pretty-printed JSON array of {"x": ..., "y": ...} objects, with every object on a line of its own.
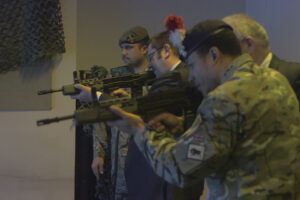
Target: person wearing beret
[
  {"x": 245, "y": 139},
  {"x": 134, "y": 46},
  {"x": 255, "y": 41}
]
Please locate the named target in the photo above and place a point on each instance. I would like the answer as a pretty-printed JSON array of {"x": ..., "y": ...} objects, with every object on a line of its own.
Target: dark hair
[
  {"x": 159, "y": 40},
  {"x": 225, "y": 41}
]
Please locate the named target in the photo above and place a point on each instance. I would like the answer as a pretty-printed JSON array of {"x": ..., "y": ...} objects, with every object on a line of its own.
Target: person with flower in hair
[
  {"x": 142, "y": 182},
  {"x": 245, "y": 139}
]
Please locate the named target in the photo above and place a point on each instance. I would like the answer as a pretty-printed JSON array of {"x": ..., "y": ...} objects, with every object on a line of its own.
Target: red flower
[{"x": 174, "y": 22}]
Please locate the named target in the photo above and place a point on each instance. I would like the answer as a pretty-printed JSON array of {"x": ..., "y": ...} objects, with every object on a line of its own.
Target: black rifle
[
  {"x": 107, "y": 85},
  {"x": 96, "y": 73},
  {"x": 146, "y": 106}
]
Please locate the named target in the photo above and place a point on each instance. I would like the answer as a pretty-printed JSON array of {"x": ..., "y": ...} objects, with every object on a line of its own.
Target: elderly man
[
  {"x": 255, "y": 41},
  {"x": 245, "y": 139}
]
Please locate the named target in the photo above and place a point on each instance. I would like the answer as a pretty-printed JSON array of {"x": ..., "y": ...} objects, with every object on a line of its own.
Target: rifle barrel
[
  {"x": 41, "y": 92},
  {"x": 55, "y": 119}
]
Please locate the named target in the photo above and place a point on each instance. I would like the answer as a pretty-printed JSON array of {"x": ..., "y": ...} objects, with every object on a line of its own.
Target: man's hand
[
  {"x": 97, "y": 166},
  {"x": 85, "y": 93},
  {"x": 166, "y": 121},
  {"x": 129, "y": 123},
  {"x": 119, "y": 93}
]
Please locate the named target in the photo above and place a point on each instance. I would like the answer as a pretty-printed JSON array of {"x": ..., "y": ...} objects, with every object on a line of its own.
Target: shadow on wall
[{"x": 39, "y": 67}]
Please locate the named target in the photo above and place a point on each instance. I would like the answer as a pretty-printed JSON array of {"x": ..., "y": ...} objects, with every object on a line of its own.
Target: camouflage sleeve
[
  {"x": 99, "y": 139},
  {"x": 200, "y": 151}
]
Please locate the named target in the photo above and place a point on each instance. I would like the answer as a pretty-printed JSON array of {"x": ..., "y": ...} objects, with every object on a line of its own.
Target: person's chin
[
  {"x": 156, "y": 73},
  {"x": 203, "y": 90},
  {"x": 126, "y": 61}
]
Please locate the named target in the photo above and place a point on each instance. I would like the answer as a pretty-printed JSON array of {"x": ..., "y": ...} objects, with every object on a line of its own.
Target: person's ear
[
  {"x": 249, "y": 40},
  {"x": 214, "y": 55},
  {"x": 166, "y": 50},
  {"x": 144, "y": 49}
]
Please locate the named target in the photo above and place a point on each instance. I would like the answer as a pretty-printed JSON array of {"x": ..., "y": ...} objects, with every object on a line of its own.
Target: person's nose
[{"x": 124, "y": 52}]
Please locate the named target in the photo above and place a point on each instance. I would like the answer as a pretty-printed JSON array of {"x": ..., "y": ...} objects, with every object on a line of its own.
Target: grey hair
[{"x": 244, "y": 26}]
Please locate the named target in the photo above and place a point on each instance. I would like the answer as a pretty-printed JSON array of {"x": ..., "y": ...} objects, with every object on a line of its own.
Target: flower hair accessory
[
  {"x": 177, "y": 32},
  {"x": 173, "y": 22}
]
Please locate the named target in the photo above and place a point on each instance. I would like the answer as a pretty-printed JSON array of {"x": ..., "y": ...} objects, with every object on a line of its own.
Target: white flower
[{"x": 176, "y": 38}]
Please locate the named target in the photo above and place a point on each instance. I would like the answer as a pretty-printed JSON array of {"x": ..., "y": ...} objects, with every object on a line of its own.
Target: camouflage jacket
[
  {"x": 99, "y": 131},
  {"x": 118, "y": 149},
  {"x": 244, "y": 140}
]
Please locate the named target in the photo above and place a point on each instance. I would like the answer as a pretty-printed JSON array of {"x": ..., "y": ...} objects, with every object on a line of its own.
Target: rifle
[
  {"x": 96, "y": 73},
  {"x": 107, "y": 85},
  {"x": 146, "y": 106}
]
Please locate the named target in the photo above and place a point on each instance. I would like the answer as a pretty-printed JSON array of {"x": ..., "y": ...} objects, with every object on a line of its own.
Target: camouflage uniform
[
  {"x": 245, "y": 139},
  {"x": 119, "y": 147},
  {"x": 99, "y": 139},
  {"x": 118, "y": 151},
  {"x": 119, "y": 140}
]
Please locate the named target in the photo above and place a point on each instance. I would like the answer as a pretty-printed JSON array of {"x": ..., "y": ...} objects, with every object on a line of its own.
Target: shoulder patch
[
  {"x": 196, "y": 151},
  {"x": 198, "y": 138}
]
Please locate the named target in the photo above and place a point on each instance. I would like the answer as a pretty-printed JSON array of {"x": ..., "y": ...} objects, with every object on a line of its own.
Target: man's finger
[
  {"x": 119, "y": 93},
  {"x": 97, "y": 174},
  {"x": 161, "y": 127},
  {"x": 114, "y": 93},
  {"x": 157, "y": 119},
  {"x": 174, "y": 130},
  {"x": 78, "y": 86},
  {"x": 118, "y": 111},
  {"x": 101, "y": 169}
]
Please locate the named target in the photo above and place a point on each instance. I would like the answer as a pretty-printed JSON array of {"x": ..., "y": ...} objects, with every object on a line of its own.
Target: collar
[
  {"x": 236, "y": 64},
  {"x": 267, "y": 60},
  {"x": 174, "y": 66}
]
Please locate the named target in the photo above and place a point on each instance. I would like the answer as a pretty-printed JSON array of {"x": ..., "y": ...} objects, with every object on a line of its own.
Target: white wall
[
  {"x": 101, "y": 23},
  {"x": 37, "y": 163},
  {"x": 281, "y": 20}
]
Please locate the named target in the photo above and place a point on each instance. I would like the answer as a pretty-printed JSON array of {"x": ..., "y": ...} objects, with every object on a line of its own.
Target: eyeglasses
[{"x": 151, "y": 55}]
